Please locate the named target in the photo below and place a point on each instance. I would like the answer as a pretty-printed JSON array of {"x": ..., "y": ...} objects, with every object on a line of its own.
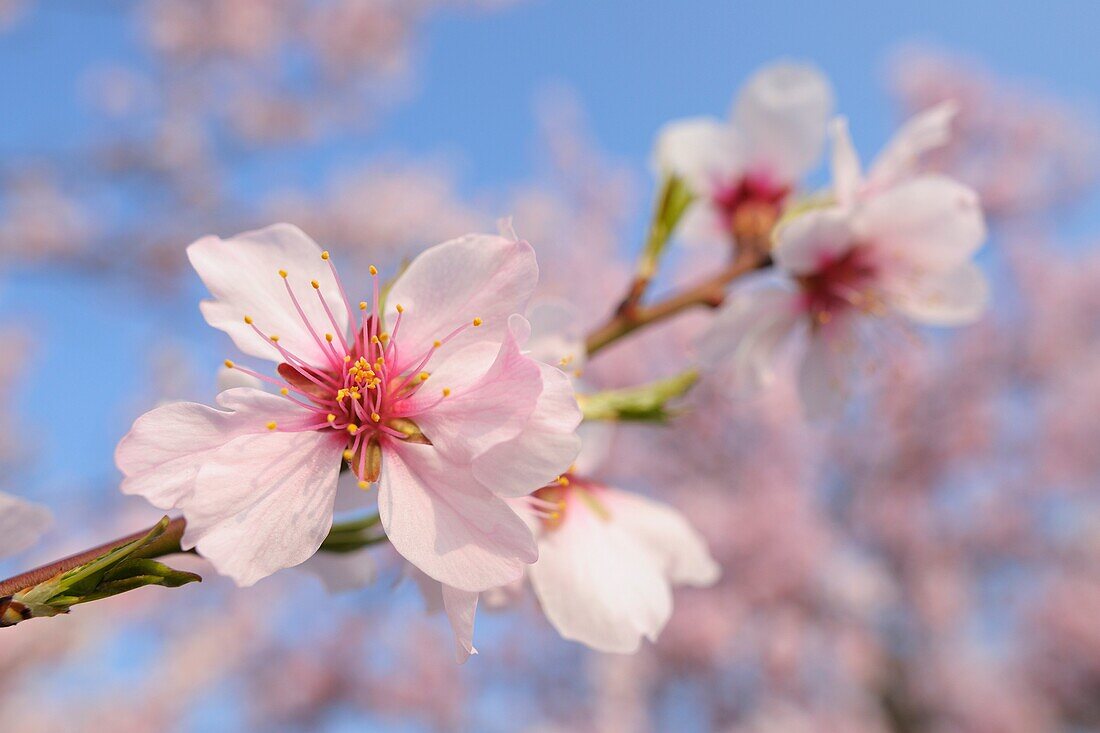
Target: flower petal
[
  {"x": 667, "y": 534},
  {"x": 443, "y": 521},
  {"x": 544, "y": 448},
  {"x": 847, "y": 176},
  {"x": 242, "y": 273},
  {"x": 704, "y": 152},
  {"x": 263, "y": 502},
  {"x": 813, "y": 239},
  {"x": 782, "y": 111},
  {"x": 598, "y": 584},
  {"x": 21, "y": 524},
  {"x": 447, "y": 286},
  {"x": 164, "y": 450},
  {"x": 745, "y": 339},
  {"x": 926, "y": 131},
  {"x": 461, "y": 607},
  {"x": 932, "y": 224},
  {"x": 828, "y": 369},
  {"x": 556, "y": 334},
  {"x": 483, "y": 412},
  {"x": 955, "y": 298}
]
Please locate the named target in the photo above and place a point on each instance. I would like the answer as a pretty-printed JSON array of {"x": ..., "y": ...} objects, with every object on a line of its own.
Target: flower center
[
  {"x": 751, "y": 205},
  {"x": 362, "y": 391},
  {"x": 841, "y": 283}
]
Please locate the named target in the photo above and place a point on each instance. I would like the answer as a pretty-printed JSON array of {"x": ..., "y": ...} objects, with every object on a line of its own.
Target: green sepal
[{"x": 644, "y": 403}]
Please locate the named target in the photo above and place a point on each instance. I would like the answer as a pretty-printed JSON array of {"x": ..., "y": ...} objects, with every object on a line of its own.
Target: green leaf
[
  {"x": 672, "y": 202},
  {"x": 644, "y": 403}
]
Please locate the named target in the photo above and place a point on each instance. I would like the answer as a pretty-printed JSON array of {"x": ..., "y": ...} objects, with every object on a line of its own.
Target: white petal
[
  {"x": 447, "y": 286},
  {"x": 242, "y": 273},
  {"x": 21, "y": 524},
  {"x": 926, "y": 131},
  {"x": 668, "y": 535},
  {"x": 443, "y": 521},
  {"x": 812, "y": 239},
  {"x": 955, "y": 298},
  {"x": 847, "y": 176},
  {"x": 235, "y": 379},
  {"x": 263, "y": 502},
  {"x": 931, "y": 223},
  {"x": 598, "y": 584},
  {"x": 164, "y": 450},
  {"x": 704, "y": 152},
  {"x": 782, "y": 111},
  {"x": 744, "y": 344},
  {"x": 828, "y": 369}
]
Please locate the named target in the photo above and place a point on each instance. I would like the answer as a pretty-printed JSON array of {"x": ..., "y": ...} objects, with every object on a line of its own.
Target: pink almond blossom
[
  {"x": 896, "y": 243},
  {"x": 742, "y": 170},
  {"x": 429, "y": 397}
]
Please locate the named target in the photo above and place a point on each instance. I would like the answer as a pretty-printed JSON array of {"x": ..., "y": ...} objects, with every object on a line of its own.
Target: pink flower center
[
  {"x": 840, "y": 283},
  {"x": 553, "y": 503},
  {"x": 365, "y": 389},
  {"x": 751, "y": 205}
]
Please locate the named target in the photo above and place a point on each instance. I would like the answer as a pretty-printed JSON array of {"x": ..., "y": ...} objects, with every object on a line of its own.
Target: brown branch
[
  {"x": 709, "y": 292},
  {"x": 167, "y": 544}
]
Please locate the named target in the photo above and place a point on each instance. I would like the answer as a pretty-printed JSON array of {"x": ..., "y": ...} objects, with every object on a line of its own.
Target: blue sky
[{"x": 633, "y": 65}]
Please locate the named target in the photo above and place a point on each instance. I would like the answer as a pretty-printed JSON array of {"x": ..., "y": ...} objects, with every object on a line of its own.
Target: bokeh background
[{"x": 931, "y": 563}]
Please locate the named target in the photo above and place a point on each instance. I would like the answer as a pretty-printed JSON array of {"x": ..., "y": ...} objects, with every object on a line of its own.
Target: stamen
[
  {"x": 271, "y": 426},
  {"x": 305, "y": 320}
]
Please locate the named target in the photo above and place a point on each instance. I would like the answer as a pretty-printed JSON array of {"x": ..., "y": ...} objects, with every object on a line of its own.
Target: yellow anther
[
  {"x": 477, "y": 322},
  {"x": 271, "y": 426},
  {"x": 384, "y": 337},
  {"x": 349, "y": 454},
  {"x": 328, "y": 337},
  {"x": 248, "y": 320},
  {"x": 555, "y": 515},
  {"x": 324, "y": 255},
  {"x": 330, "y": 417},
  {"x": 362, "y": 305},
  {"x": 446, "y": 391},
  {"x": 284, "y": 391},
  {"x": 375, "y": 340},
  {"x": 282, "y": 274},
  {"x": 228, "y": 364},
  {"x": 423, "y": 376},
  {"x": 437, "y": 344},
  {"x": 562, "y": 481},
  {"x": 400, "y": 308},
  {"x": 375, "y": 416},
  {"x": 364, "y": 485},
  {"x": 353, "y": 429},
  {"x": 347, "y": 357},
  {"x": 316, "y": 285},
  {"x": 275, "y": 339},
  {"x": 373, "y": 270}
]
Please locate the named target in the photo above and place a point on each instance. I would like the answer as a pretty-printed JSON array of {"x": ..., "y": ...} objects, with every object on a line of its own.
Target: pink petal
[
  {"x": 598, "y": 584},
  {"x": 556, "y": 333},
  {"x": 164, "y": 450},
  {"x": 461, "y": 607},
  {"x": 263, "y": 502},
  {"x": 443, "y": 521},
  {"x": 486, "y": 407},
  {"x": 447, "y": 286},
  {"x": 544, "y": 448},
  {"x": 782, "y": 111},
  {"x": 667, "y": 534},
  {"x": 21, "y": 524},
  {"x": 242, "y": 273}
]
